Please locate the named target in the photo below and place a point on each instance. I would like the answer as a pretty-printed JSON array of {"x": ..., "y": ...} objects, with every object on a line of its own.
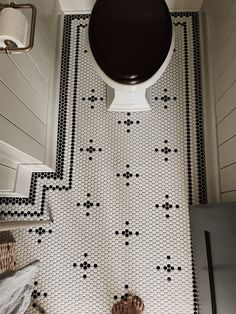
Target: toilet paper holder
[{"x": 10, "y": 46}]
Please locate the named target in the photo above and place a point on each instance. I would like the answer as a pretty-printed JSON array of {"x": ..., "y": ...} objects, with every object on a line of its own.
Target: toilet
[{"x": 130, "y": 43}]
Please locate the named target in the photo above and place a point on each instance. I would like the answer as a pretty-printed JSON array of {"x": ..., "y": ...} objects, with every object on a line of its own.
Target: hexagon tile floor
[{"x": 121, "y": 190}]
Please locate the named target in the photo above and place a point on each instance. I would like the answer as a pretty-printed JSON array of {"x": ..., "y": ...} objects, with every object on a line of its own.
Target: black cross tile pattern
[
  {"x": 85, "y": 266},
  {"x": 90, "y": 149},
  {"x": 83, "y": 116},
  {"x": 127, "y": 175},
  {"x": 166, "y": 99},
  {"x": 129, "y": 122},
  {"x": 166, "y": 150},
  {"x": 127, "y": 233},
  {"x": 93, "y": 99},
  {"x": 88, "y": 205},
  {"x": 167, "y": 206},
  {"x": 169, "y": 268}
]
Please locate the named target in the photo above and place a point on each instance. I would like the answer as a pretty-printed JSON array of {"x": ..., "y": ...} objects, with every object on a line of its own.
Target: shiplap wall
[
  {"x": 24, "y": 92},
  {"x": 221, "y": 20}
]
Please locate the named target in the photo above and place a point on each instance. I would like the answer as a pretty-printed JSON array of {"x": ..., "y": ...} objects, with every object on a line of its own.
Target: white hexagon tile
[{"x": 121, "y": 191}]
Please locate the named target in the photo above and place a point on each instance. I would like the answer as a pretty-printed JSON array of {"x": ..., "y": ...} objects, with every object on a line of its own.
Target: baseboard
[
  {"x": 54, "y": 90},
  {"x": 75, "y": 6},
  {"x": 23, "y": 180},
  {"x": 14, "y": 155},
  {"x": 185, "y": 5},
  {"x": 211, "y": 147}
]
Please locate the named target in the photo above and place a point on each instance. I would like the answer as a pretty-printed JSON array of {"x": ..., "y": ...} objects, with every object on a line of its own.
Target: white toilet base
[
  {"x": 131, "y": 98},
  {"x": 128, "y": 102}
]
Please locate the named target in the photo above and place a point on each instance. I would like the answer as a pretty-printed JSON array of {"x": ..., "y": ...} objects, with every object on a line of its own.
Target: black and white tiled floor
[{"x": 121, "y": 191}]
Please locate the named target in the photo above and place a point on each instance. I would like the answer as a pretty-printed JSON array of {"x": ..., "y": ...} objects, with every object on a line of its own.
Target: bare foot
[{"x": 133, "y": 305}]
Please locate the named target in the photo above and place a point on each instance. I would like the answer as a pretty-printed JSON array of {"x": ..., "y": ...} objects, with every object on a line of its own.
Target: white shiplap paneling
[
  {"x": 15, "y": 111},
  {"x": 17, "y": 138},
  {"x": 39, "y": 58},
  {"x": 228, "y": 175},
  {"x": 227, "y": 153},
  {"x": 229, "y": 197},
  {"x": 221, "y": 29},
  {"x": 225, "y": 55},
  {"x": 226, "y": 79},
  {"x": 31, "y": 73},
  {"x": 227, "y": 128},
  {"x": 227, "y": 103},
  {"x": 223, "y": 25},
  {"x": 21, "y": 87}
]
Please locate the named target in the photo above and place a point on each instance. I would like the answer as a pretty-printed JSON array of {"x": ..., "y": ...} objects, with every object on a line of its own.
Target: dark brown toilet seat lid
[{"x": 130, "y": 39}]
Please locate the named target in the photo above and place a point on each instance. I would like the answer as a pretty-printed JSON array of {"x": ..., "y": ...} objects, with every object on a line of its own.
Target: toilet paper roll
[{"x": 13, "y": 26}]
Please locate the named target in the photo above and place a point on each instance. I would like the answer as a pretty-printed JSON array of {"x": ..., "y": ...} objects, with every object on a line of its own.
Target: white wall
[
  {"x": 86, "y": 5},
  {"x": 220, "y": 17},
  {"x": 26, "y": 84}
]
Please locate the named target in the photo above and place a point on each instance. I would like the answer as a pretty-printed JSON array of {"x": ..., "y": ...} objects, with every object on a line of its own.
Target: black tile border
[
  {"x": 59, "y": 173},
  {"x": 202, "y": 186}
]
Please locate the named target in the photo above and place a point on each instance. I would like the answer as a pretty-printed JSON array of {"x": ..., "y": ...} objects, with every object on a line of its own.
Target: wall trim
[
  {"x": 75, "y": 6},
  {"x": 193, "y": 5},
  {"x": 54, "y": 90},
  {"x": 210, "y": 126}
]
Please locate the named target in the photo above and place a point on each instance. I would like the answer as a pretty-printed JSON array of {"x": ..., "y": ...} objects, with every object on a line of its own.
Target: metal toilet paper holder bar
[{"x": 10, "y": 46}]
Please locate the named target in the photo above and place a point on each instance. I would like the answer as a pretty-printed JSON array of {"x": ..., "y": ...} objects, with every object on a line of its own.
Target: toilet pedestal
[
  {"x": 130, "y": 44},
  {"x": 128, "y": 102}
]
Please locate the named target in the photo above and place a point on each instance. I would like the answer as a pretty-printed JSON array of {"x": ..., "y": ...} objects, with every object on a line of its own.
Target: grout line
[
  {"x": 217, "y": 100},
  {"x": 27, "y": 79},
  {"x": 43, "y": 77},
  {"x": 227, "y": 140},
  {"x": 223, "y": 70},
  {"x": 22, "y": 130},
  {"x": 233, "y": 163},
  {"x": 44, "y": 123},
  {"x": 29, "y": 54},
  {"x": 226, "y": 116},
  {"x": 7, "y": 166},
  {"x": 228, "y": 191}
]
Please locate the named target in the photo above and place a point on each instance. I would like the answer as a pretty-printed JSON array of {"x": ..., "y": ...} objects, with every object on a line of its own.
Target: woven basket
[{"x": 7, "y": 255}]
